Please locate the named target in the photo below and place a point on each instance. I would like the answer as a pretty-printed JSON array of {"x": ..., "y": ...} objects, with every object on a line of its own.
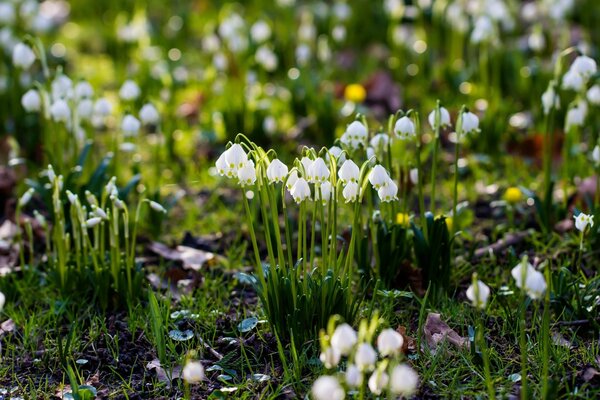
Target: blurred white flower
[
  {"x": 365, "y": 357},
  {"x": 470, "y": 122},
  {"x": 62, "y": 87},
  {"x": 378, "y": 177},
  {"x": 380, "y": 141},
  {"x": 355, "y": 136},
  {"x": 327, "y": 388},
  {"x": 404, "y": 380},
  {"x": 353, "y": 375},
  {"x": 23, "y": 56},
  {"x": 92, "y": 222},
  {"x": 31, "y": 101},
  {"x": 405, "y": 128},
  {"x": 337, "y": 153},
  {"x": 478, "y": 295},
  {"x": 300, "y": 191},
  {"x": 330, "y": 358},
  {"x": 550, "y": 98},
  {"x": 389, "y": 342},
  {"x": 130, "y": 125},
  {"x": 344, "y": 338},
  {"x": 582, "y": 221},
  {"x": 573, "y": 81},
  {"x": 378, "y": 382},
  {"x": 596, "y": 156},
  {"x": 26, "y": 198},
  {"x": 102, "y": 107},
  {"x": 129, "y": 90},
  {"x": 60, "y": 111},
  {"x": 260, "y": 31},
  {"x": 7, "y": 16},
  {"x": 149, "y": 114},
  {"x": 157, "y": 207},
  {"x": 584, "y": 66},
  {"x": 193, "y": 372},
  {"x": 83, "y": 90},
  {"x": 575, "y": 117},
  {"x": 2, "y": 301},
  {"x": 266, "y": 58},
  {"x": 593, "y": 95},
  {"x": 351, "y": 192},
  {"x": 324, "y": 192},
  {"x": 529, "y": 279},
  {"x": 484, "y": 30},
  {"x": 85, "y": 109},
  {"x": 536, "y": 41},
  {"x": 444, "y": 118}
]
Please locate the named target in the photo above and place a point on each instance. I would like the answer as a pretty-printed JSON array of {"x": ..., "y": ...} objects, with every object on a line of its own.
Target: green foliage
[{"x": 394, "y": 248}]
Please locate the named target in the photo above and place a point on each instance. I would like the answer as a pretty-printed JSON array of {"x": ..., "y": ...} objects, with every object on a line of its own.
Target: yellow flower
[
  {"x": 355, "y": 93},
  {"x": 513, "y": 195},
  {"x": 449, "y": 222},
  {"x": 402, "y": 219}
]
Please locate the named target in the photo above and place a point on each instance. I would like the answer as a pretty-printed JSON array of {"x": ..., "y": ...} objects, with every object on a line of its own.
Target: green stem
[
  {"x": 523, "y": 348},
  {"x": 486, "y": 360}
]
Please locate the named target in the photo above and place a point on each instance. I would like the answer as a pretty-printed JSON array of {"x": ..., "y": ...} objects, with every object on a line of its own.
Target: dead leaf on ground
[
  {"x": 7, "y": 326},
  {"x": 436, "y": 331},
  {"x": 190, "y": 257},
  {"x": 162, "y": 375},
  {"x": 560, "y": 340},
  {"x": 589, "y": 374},
  {"x": 409, "y": 344}
]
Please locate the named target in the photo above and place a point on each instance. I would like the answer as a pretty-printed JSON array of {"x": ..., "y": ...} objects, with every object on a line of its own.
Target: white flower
[
  {"x": 365, "y": 356},
  {"x": 572, "y": 80},
  {"x": 291, "y": 180},
  {"x": 7, "y": 16},
  {"x": 260, "y": 31},
  {"x": 371, "y": 153},
  {"x": 324, "y": 192},
  {"x": 327, "y": 388},
  {"x": 236, "y": 157},
  {"x": 330, "y": 358},
  {"x": 23, "y": 56},
  {"x": 349, "y": 172},
  {"x": 2, "y": 301},
  {"x": 85, "y": 109},
  {"x": 343, "y": 339},
  {"x": 388, "y": 191},
  {"x": 83, "y": 90},
  {"x": 31, "y": 101},
  {"x": 575, "y": 116},
  {"x": 193, "y": 372},
  {"x": 336, "y": 152},
  {"x": 520, "y": 273},
  {"x": 404, "y": 380},
  {"x": 307, "y": 166},
  {"x": 483, "y": 31},
  {"x": 593, "y": 95},
  {"x": 72, "y": 197},
  {"x": 529, "y": 279},
  {"x": 378, "y": 177},
  {"x": 380, "y": 141},
  {"x": 444, "y": 118},
  {"x": 62, "y": 87},
  {"x": 26, "y": 198},
  {"x": 414, "y": 176},
  {"x": 300, "y": 191},
  {"x": 378, "y": 382},
  {"x": 222, "y": 166},
  {"x": 98, "y": 212},
  {"x": 102, "y": 107},
  {"x": 129, "y": 91},
  {"x": 92, "y": 222},
  {"x": 596, "y": 156},
  {"x": 149, "y": 114},
  {"x": 157, "y": 207},
  {"x": 351, "y": 192},
  {"x": 582, "y": 221},
  {"x": 550, "y": 99},
  {"x": 405, "y": 128},
  {"x": 276, "y": 171},
  {"x": 389, "y": 342},
  {"x": 130, "y": 125},
  {"x": 60, "y": 111},
  {"x": 470, "y": 122},
  {"x": 356, "y": 135},
  {"x": 247, "y": 174},
  {"x": 584, "y": 66},
  {"x": 318, "y": 171},
  {"x": 478, "y": 295},
  {"x": 536, "y": 41},
  {"x": 266, "y": 58},
  {"x": 354, "y": 376}
]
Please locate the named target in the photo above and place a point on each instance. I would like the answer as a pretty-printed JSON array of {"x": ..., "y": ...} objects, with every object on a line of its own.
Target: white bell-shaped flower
[
  {"x": 351, "y": 192},
  {"x": 478, "y": 295},
  {"x": 405, "y": 128},
  {"x": 60, "y": 111},
  {"x": 31, "y": 101},
  {"x": 378, "y": 382},
  {"x": 378, "y": 177},
  {"x": 276, "y": 171},
  {"x": 389, "y": 342},
  {"x": 582, "y": 221},
  {"x": 319, "y": 172},
  {"x": 388, "y": 192},
  {"x": 300, "y": 191},
  {"x": 327, "y": 388},
  {"x": 444, "y": 118},
  {"x": 349, "y": 172},
  {"x": 130, "y": 125},
  {"x": 404, "y": 381},
  {"x": 247, "y": 174},
  {"x": 129, "y": 91},
  {"x": 193, "y": 372},
  {"x": 365, "y": 357},
  {"x": 470, "y": 122},
  {"x": 344, "y": 338},
  {"x": 23, "y": 56},
  {"x": 149, "y": 114}
]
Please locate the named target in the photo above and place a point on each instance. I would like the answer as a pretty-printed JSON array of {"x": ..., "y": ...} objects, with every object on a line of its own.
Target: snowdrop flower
[
  {"x": 318, "y": 171},
  {"x": 470, "y": 122},
  {"x": 129, "y": 91},
  {"x": 404, "y": 380},
  {"x": 83, "y": 90},
  {"x": 388, "y": 191},
  {"x": 365, "y": 356},
  {"x": 343, "y": 339},
  {"x": 327, "y": 388},
  {"x": 193, "y": 372},
  {"x": 324, "y": 192},
  {"x": 478, "y": 295},
  {"x": 98, "y": 212},
  {"x": 356, "y": 135},
  {"x": 300, "y": 191},
  {"x": 23, "y": 56},
  {"x": 389, "y": 342},
  {"x": 102, "y": 107},
  {"x": 330, "y": 358},
  {"x": 573, "y": 81},
  {"x": 260, "y": 31},
  {"x": 351, "y": 192},
  {"x": 149, "y": 114},
  {"x": 276, "y": 171},
  {"x": 85, "y": 109},
  {"x": 593, "y": 95},
  {"x": 582, "y": 221},
  {"x": 444, "y": 118},
  {"x": 26, "y": 198},
  {"x": 92, "y": 222},
  {"x": 247, "y": 174},
  {"x": 71, "y": 197},
  {"x": 405, "y": 128},
  {"x": 378, "y": 177},
  {"x": 349, "y": 172},
  {"x": 575, "y": 117},
  {"x": 157, "y": 207},
  {"x": 584, "y": 66},
  {"x": 378, "y": 382},
  {"x": 60, "y": 111},
  {"x": 596, "y": 156},
  {"x": 550, "y": 99},
  {"x": 354, "y": 377},
  {"x": 130, "y": 125},
  {"x": 380, "y": 141},
  {"x": 31, "y": 101}
]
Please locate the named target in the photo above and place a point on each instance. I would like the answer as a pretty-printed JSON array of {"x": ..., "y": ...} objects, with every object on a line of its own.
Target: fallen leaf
[
  {"x": 161, "y": 373},
  {"x": 409, "y": 343},
  {"x": 190, "y": 257},
  {"x": 436, "y": 331},
  {"x": 589, "y": 374},
  {"x": 7, "y": 327},
  {"x": 560, "y": 340}
]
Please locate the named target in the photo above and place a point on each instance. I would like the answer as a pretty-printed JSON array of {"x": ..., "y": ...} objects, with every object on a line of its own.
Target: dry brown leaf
[
  {"x": 436, "y": 331},
  {"x": 161, "y": 373},
  {"x": 190, "y": 257},
  {"x": 589, "y": 374},
  {"x": 7, "y": 327},
  {"x": 409, "y": 343}
]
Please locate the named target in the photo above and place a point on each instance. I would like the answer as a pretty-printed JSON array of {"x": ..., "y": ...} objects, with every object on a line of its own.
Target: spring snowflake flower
[
  {"x": 389, "y": 342},
  {"x": 129, "y": 91},
  {"x": 266, "y": 58},
  {"x": 470, "y": 122},
  {"x": 327, "y": 388},
  {"x": 371, "y": 153},
  {"x": 193, "y": 372},
  {"x": 62, "y": 87},
  {"x": 353, "y": 376},
  {"x": 593, "y": 95},
  {"x": 336, "y": 152},
  {"x": 26, "y": 198},
  {"x": 380, "y": 141},
  {"x": 378, "y": 177},
  {"x": 444, "y": 118},
  {"x": 260, "y": 31},
  {"x": 85, "y": 108},
  {"x": 529, "y": 279},
  {"x": 235, "y": 157},
  {"x": 318, "y": 171},
  {"x": 130, "y": 125},
  {"x": 330, "y": 358},
  {"x": 31, "y": 101},
  {"x": 291, "y": 180},
  {"x": 404, "y": 380},
  {"x": 2, "y": 301},
  {"x": 483, "y": 31},
  {"x": 584, "y": 66},
  {"x": 307, "y": 166},
  {"x": 343, "y": 339},
  {"x": 365, "y": 356},
  {"x": 550, "y": 99},
  {"x": 83, "y": 90},
  {"x": 596, "y": 156},
  {"x": 102, "y": 107},
  {"x": 149, "y": 114},
  {"x": 573, "y": 81},
  {"x": 276, "y": 171},
  {"x": 351, "y": 192},
  {"x": 405, "y": 128},
  {"x": 478, "y": 295},
  {"x": 349, "y": 172},
  {"x": 575, "y": 117},
  {"x": 324, "y": 192},
  {"x": 582, "y": 221},
  {"x": 247, "y": 174},
  {"x": 388, "y": 192},
  {"x": 378, "y": 382},
  {"x": 300, "y": 191},
  {"x": 60, "y": 111},
  {"x": 355, "y": 136},
  {"x": 23, "y": 56}
]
